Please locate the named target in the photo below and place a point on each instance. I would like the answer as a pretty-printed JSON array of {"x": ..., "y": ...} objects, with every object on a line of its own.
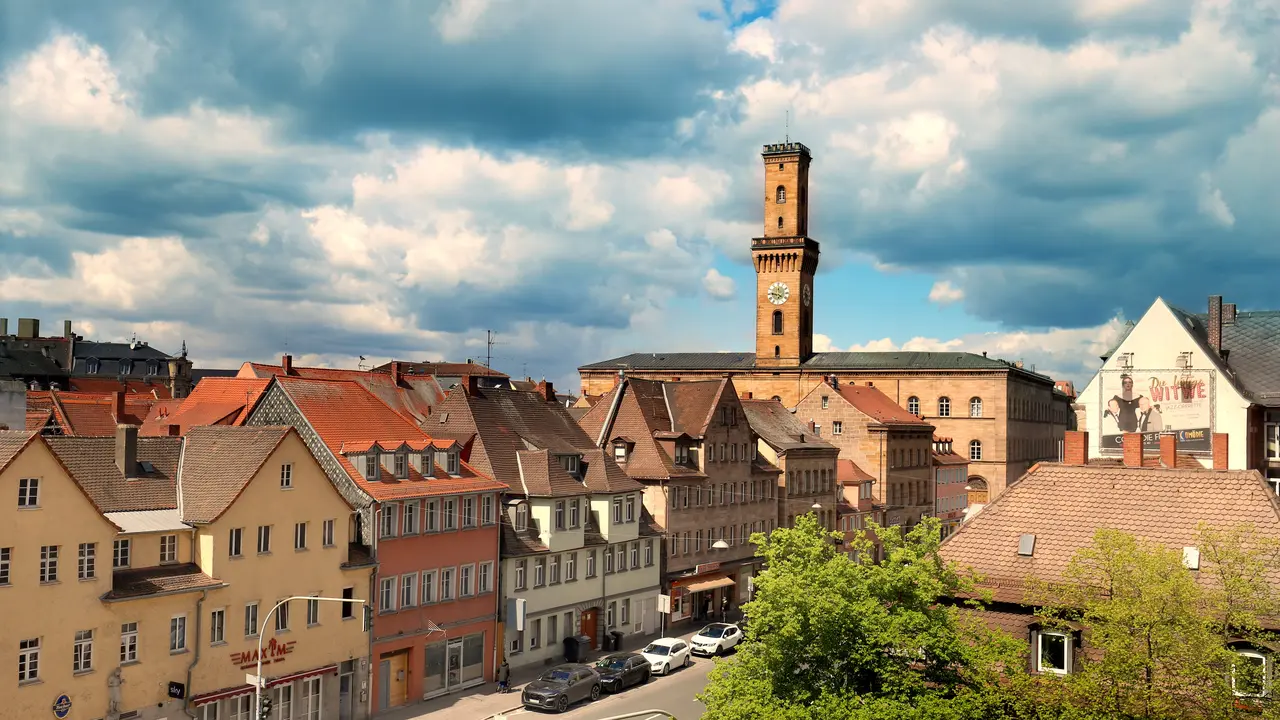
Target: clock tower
[{"x": 785, "y": 260}]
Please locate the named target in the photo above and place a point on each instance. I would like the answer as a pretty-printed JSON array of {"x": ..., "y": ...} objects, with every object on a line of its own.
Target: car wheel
[
  {"x": 562, "y": 703},
  {"x": 595, "y": 693},
  {"x": 688, "y": 660},
  {"x": 665, "y": 669},
  {"x": 648, "y": 675}
]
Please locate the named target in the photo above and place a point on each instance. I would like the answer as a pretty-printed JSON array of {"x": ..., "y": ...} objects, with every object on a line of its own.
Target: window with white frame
[
  {"x": 430, "y": 518},
  {"x": 310, "y": 700},
  {"x": 48, "y": 563},
  {"x": 390, "y": 512},
  {"x": 1249, "y": 674},
  {"x": 87, "y": 561},
  {"x": 571, "y": 567},
  {"x": 1053, "y": 653},
  {"x": 453, "y": 462},
  {"x": 553, "y": 567},
  {"x": 178, "y": 633},
  {"x": 28, "y": 660},
  {"x": 401, "y": 465},
  {"x": 1272, "y": 440},
  {"x": 234, "y": 540},
  {"x": 539, "y": 572},
  {"x": 486, "y": 510},
  {"x": 217, "y": 626},
  {"x": 168, "y": 549},
  {"x": 82, "y": 652},
  {"x": 29, "y": 492},
  {"x": 128, "y": 643},
  {"x": 608, "y": 559},
  {"x": 428, "y": 586},
  {"x": 648, "y": 553},
  {"x": 975, "y": 407},
  {"x": 387, "y": 595},
  {"x": 682, "y": 454},
  {"x": 469, "y": 511},
  {"x": 264, "y": 539},
  {"x": 975, "y": 449},
  {"x": 826, "y": 402},
  {"x": 326, "y": 533},
  {"x": 837, "y": 427},
  {"x": 251, "y": 627},
  {"x": 408, "y": 590},
  {"x": 522, "y": 517},
  {"x": 466, "y": 579},
  {"x": 521, "y": 580},
  {"x": 620, "y": 452},
  {"x": 591, "y": 563},
  {"x": 450, "y": 511},
  {"x": 447, "y": 586},
  {"x": 485, "y": 581},
  {"x": 282, "y": 617},
  {"x": 535, "y": 632},
  {"x": 610, "y": 614},
  {"x": 617, "y": 509},
  {"x": 371, "y": 466},
  {"x": 120, "y": 553},
  {"x": 575, "y": 513},
  {"x": 635, "y": 555},
  {"x": 631, "y": 508},
  {"x": 286, "y": 476},
  {"x": 560, "y": 515},
  {"x": 284, "y": 701},
  {"x": 410, "y": 524},
  {"x": 626, "y": 611},
  {"x": 944, "y": 407}
]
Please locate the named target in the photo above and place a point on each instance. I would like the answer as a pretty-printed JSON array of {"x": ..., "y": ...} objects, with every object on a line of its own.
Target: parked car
[
  {"x": 667, "y": 654},
  {"x": 620, "y": 671},
  {"x": 562, "y": 686},
  {"x": 716, "y": 638}
]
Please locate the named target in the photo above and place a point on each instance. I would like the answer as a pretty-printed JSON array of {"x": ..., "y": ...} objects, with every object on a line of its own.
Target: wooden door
[
  {"x": 589, "y": 619},
  {"x": 397, "y": 682}
]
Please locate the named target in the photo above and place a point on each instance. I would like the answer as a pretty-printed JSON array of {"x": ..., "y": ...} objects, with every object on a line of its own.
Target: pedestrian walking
[
  {"x": 504, "y": 677},
  {"x": 724, "y": 609}
]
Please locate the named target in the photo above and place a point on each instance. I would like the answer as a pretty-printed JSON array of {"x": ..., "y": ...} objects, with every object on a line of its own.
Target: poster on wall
[{"x": 1154, "y": 403}]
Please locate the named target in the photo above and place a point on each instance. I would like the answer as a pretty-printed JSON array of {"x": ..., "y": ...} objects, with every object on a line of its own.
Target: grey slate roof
[
  {"x": 780, "y": 428},
  {"x": 892, "y": 360},
  {"x": 28, "y": 363},
  {"x": 1252, "y": 343}
]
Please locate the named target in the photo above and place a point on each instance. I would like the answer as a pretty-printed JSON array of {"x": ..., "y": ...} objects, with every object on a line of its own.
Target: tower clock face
[
  {"x": 806, "y": 295},
  {"x": 778, "y": 293}
]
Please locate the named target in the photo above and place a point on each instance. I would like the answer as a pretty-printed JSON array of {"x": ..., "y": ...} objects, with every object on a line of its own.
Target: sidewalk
[{"x": 485, "y": 700}]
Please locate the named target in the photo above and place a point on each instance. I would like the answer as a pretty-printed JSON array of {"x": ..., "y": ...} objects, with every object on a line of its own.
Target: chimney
[
  {"x": 833, "y": 381},
  {"x": 1221, "y": 456},
  {"x": 1169, "y": 450},
  {"x": 127, "y": 450},
  {"x": 28, "y": 328},
  {"x": 470, "y": 384},
  {"x": 174, "y": 430},
  {"x": 4, "y": 326},
  {"x": 397, "y": 375},
  {"x": 1133, "y": 450},
  {"x": 286, "y": 364},
  {"x": 118, "y": 405},
  {"x": 66, "y": 329},
  {"x": 1215, "y": 323},
  {"x": 1228, "y": 313},
  {"x": 1075, "y": 447},
  {"x": 546, "y": 391}
]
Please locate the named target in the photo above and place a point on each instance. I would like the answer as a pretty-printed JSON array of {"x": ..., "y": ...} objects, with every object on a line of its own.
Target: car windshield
[
  {"x": 556, "y": 676},
  {"x": 655, "y": 649},
  {"x": 714, "y": 631},
  {"x": 617, "y": 663}
]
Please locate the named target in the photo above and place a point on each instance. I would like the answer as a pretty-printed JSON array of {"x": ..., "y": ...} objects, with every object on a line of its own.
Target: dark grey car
[
  {"x": 620, "y": 671},
  {"x": 562, "y": 686}
]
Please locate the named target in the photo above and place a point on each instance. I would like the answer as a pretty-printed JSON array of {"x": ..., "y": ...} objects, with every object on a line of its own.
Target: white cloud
[
  {"x": 944, "y": 293},
  {"x": 718, "y": 286},
  {"x": 459, "y": 20},
  {"x": 755, "y": 38},
  {"x": 1213, "y": 205}
]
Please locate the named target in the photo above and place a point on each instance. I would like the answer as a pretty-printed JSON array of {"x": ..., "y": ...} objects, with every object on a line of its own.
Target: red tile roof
[
  {"x": 91, "y": 461},
  {"x": 156, "y": 389},
  {"x": 88, "y": 414},
  {"x": 214, "y": 401},
  {"x": 13, "y": 442},
  {"x": 343, "y": 411},
  {"x": 218, "y": 463},
  {"x": 642, "y": 414},
  {"x": 414, "y": 396},
  {"x": 848, "y": 473},
  {"x": 187, "y": 577},
  {"x": 870, "y": 401}
]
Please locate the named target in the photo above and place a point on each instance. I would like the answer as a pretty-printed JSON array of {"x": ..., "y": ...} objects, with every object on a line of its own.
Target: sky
[{"x": 341, "y": 178}]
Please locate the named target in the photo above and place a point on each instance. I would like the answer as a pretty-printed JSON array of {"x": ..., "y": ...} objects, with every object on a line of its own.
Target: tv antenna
[
  {"x": 489, "y": 342},
  {"x": 787, "y": 126},
  {"x": 360, "y": 365}
]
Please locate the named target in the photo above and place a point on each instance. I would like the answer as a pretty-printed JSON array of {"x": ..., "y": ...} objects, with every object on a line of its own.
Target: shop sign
[
  {"x": 1155, "y": 403},
  {"x": 62, "y": 706},
  {"x": 706, "y": 568},
  {"x": 273, "y": 651},
  {"x": 177, "y": 690}
]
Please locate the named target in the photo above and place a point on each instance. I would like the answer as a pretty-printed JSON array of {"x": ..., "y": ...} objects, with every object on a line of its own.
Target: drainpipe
[
  {"x": 186, "y": 702},
  {"x": 372, "y": 604}
]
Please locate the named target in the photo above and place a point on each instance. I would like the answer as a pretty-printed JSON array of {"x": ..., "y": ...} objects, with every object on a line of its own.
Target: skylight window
[{"x": 1027, "y": 545}]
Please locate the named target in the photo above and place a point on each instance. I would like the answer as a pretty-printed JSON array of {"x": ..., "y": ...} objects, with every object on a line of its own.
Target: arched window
[
  {"x": 126, "y": 367},
  {"x": 975, "y": 449},
  {"x": 913, "y": 405},
  {"x": 975, "y": 407},
  {"x": 777, "y": 351},
  {"x": 781, "y": 195},
  {"x": 777, "y": 322},
  {"x": 944, "y": 407},
  {"x": 779, "y": 222},
  {"x": 94, "y": 365}
]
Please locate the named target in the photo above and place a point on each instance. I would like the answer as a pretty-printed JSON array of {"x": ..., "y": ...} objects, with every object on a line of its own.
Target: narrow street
[{"x": 675, "y": 694}]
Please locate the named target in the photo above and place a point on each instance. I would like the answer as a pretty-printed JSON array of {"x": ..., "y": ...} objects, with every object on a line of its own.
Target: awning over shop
[{"x": 708, "y": 582}]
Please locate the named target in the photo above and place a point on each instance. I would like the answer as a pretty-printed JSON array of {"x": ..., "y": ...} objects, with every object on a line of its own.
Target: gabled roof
[
  {"x": 118, "y": 350},
  {"x": 876, "y": 405},
  {"x": 155, "y": 388},
  {"x": 1064, "y": 505},
  {"x": 693, "y": 404},
  {"x": 215, "y": 401},
  {"x": 638, "y": 409},
  {"x": 217, "y": 465},
  {"x": 1252, "y": 343},
  {"x": 342, "y": 411},
  {"x": 604, "y": 475},
  {"x": 780, "y": 428},
  {"x": 91, "y": 461},
  {"x": 413, "y": 396},
  {"x": 12, "y": 442},
  {"x": 89, "y": 414},
  {"x": 848, "y": 473},
  {"x": 541, "y": 475}
]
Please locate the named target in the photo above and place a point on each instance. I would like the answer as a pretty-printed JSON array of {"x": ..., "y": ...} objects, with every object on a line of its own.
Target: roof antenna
[{"x": 787, "y": 127}]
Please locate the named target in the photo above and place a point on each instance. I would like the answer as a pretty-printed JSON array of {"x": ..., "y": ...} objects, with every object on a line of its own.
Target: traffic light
[
  {"x": 368, "y": 618},
  {"x": 264, "y": 710}
]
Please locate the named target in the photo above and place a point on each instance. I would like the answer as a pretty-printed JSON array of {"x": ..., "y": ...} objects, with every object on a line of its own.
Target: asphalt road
[{"x": 673, "y": 693}]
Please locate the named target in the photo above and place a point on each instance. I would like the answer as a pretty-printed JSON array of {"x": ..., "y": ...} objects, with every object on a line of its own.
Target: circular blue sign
[{"x": 62, "y": 707}]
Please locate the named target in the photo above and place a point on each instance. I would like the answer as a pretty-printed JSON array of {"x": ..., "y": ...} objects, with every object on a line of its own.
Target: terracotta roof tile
[
  {"x": 1151, "y": 460},
  {"x": 11, "y": 443},
  {"x": 520, "y": 542},
  {"x": 1063, "y": 506},
  {"x": 92, "y": 463},
  {"x": 693, "y": 404},
  {"x": 187, "y": 577},
  {"x": 89, "y": 414},
  {"x": 38, "y": 419},
  {"x": 218, "y": 463},
  {"x": 604, "y": 475},
  {"x": 880, "y": 407},
  {"x": 413, "y": 397},
  {"x": 848, "y": 473},
  {"x": 214, "y": 401},
  {"x": 779, "y": 426},
  {"x": 642, "y": 414},
  {"x": 541, "y": 475}
]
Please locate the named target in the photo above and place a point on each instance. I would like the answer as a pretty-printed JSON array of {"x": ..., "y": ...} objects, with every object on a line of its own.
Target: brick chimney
[
  {"x": 286, "y": 364},
  {"x": 397, "y": 374},
  {"x": 1221, "y": 456},
  {"x": 1215, "y": 323},
  {"x": 546, "y": 391},
  {"x": 1075, "y": 447},
  {"x": 117, "y": 411},
  {"x": 1133, "y": 450},
  {"x": 470, "y": 384},
  {"x": 1169, "y": 450},
  {"x": 127, "y": 450},
  {"x": 1228, "y": 314}
]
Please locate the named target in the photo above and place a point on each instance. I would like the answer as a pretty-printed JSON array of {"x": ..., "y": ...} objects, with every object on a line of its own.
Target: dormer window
[
  {"x": 93, "y": 365},
  {"x": 522, "y": 516},
  {"x": 402, "y": 465},
  {"x": 371, "y": 466},
  {"x": 126, "y": 367},
  {"x": 153, "y": 367},
  {"x": 427, "y": 468},
  {"x": 620, "y": 452},
  {"x": 682, "y": 454},
  {"x": 452, "y": 459},
  {"x": 570, "y": 463}
]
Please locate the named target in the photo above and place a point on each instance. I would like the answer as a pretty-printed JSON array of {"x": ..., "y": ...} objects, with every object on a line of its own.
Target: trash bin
[
  {"x": 616, "y": 636},
  {"x": 576, "y": 648}
]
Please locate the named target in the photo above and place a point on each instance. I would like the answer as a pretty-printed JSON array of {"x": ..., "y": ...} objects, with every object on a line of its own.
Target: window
[
  {"x": 286, "y": 476},
  {"x": 428, "y": 586},
  {"x": 264, "y": 539},
  {"x": 535, "y": 629},
  {"x": 522, "y": 517},
  {"x": 251, "y": 620},
  {"x": 29, "y": 492},
  {"x": 168, "y": 549},
  {"x": 466, "y": 575},
  {"x": 539, "y": 572},
  {"x": 233, "y": 545},
  {"x": 408, "y": 590},
  {"x": 620, "y": 452},
  {"x": 178, "y": 634},
  {"x": 94, "y": 365},
  {"x": 29, "y": 660},
  {"x": 591, "y": 563},
  {"x": 608, "y": 559},
  {"x": 348, "y": 609},
  {"x": 469, "y": 512},
  {"x": 371, "y": 466},
  {"x": 282, "y": 617},
  {"x": 86, "y": 561},
  {"x": 217, "y": 626},
  {"x": 575, "y": 513},
  {"x": 48, "y": 563},
  {"x": 390, "y": 512},
  {"x": 82, "y": 652},
  {"x": 975, "y": 407},
  {"x": 571, "y": 566},
  {"x": 913, "y": 405},
  {"x": 486, "y": 574},
  {"x": 610, "y": 614},
  {"x": 777, "y": 320},
  {"x": 631, "y": 508},
  {"x": 429, "y": 521},
  {"x": 6, "y": 555},
  {"x": 451, "y": 514},
  {"x": 682, "y": 454},
  {"x": 617, "y": 510},
  {"x": 779, "y": 222},
  {"x": 1272, "y": 440},
  {"x": 453, "y": 463},
  {"x": 401, "y": 465},
  {"x": 284, "y": 701},
  {"x": 410, "y": 522},
  {"x": 129, "y": 642},
  {"x": 635, "y": 555},
  {"x": 554, "y": 568},
  {"x": 944, "y": 407},
  {"x": 780, "y": 196},
  {"x": 446, "y": 584},
  {"x": 521, "y": 580},
  {"x": 825, "y": 401},
  {"x": 626, "y": 611},
  {"x": 387, "y": 595},
  {"x": 1249, "y": 674},
  {"x": 1053, "y": 656},
  {"x": 648, "y": 552},
  {"x": 837, "y": 427},
  {"x": 486, "y": 511},
  {"x": 326, "y": 533},
  {"x": 975, "y": 449},
  {"x": 777, "y": 351},
  {"x": 560, "y": 515},
  {"x": 310, "y": 699}
]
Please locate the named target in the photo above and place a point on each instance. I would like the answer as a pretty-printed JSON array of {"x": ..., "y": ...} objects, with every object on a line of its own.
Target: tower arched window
[
  {"x": 777, "y": 322},
  {"x": 913, "y": 405},
  {"x": 944, "y": 407},
  {"x": 781, "y": 195},
  {"x": 779, "y": 222},
  {"x": 975, "y": 449},
  {"x": 975, "y": 407}
]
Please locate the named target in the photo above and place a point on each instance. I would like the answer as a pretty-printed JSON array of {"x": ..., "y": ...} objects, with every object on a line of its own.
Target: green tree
[{"x": 831, "y": 638}]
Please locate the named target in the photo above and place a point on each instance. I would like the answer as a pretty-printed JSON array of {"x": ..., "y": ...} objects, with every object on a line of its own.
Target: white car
[
  {"x": 666, "y": 654},
  {"x": 716, "y": 638}
]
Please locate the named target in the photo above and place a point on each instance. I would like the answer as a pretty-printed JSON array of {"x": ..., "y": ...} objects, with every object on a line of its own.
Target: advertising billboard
[{"x": 1154, "y": 403}]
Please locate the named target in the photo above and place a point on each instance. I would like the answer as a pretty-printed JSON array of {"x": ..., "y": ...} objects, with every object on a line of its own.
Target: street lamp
[
  {"x": 816, "y": 506},
  {"x": 257, "y": 684},
  {"x": 720, "y": 545}
]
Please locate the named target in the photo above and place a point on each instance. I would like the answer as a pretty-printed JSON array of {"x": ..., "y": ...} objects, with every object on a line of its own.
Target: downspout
[
  {"x": 186, "y": 702},
  {"x": 369, "y": 605}
]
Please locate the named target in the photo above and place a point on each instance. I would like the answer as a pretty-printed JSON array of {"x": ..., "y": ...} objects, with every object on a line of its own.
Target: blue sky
[{"x": 392, "y": 179}]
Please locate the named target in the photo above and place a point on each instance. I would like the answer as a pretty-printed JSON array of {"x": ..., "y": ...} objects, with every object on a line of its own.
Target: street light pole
[{"x": 257, "y": 685}]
